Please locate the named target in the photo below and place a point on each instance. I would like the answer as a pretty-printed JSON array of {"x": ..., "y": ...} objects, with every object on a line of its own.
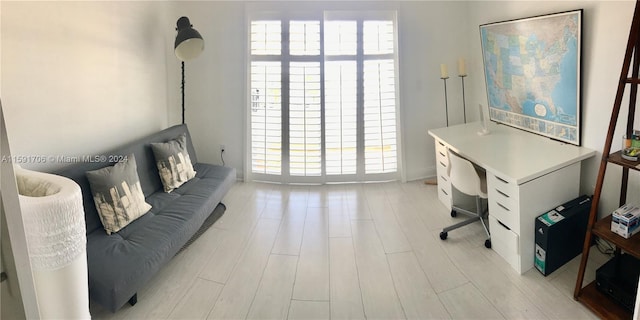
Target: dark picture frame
[{"x": 532, "y": 70}]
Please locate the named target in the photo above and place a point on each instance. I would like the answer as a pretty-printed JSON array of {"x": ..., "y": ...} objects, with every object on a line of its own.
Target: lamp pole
[{"x": 182, "y": 92}]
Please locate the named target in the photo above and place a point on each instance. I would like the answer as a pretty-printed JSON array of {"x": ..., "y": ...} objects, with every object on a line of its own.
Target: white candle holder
[
  {"x": 446, "y": 107},
  {"x": 464, "y": 104}
]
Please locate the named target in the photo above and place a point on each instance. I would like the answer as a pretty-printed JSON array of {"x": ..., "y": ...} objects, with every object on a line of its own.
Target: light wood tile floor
[{"x": 350, "y": 251}]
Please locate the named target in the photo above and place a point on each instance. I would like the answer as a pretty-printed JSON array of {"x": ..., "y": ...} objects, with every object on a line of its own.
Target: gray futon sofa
[{"x": 121, "y": 263}]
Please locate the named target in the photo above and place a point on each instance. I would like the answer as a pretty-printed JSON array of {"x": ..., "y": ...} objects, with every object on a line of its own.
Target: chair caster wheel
[
  {"x": 453, "y": 214},
  {"x": 487, "y": 243},
  {"x": 443, "y": 235}
]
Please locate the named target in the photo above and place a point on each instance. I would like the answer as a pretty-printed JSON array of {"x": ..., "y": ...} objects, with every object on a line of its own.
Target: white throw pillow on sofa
[
  {"x": 117, "y": 194},
  {"x": 173, "y": 161}
]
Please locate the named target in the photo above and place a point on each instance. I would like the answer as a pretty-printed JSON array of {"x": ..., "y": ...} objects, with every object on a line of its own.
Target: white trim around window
[{"x": 322, "y": 97}]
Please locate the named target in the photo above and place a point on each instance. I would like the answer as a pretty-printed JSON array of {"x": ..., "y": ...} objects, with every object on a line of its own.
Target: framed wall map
[{"x": 532, "y": 73}]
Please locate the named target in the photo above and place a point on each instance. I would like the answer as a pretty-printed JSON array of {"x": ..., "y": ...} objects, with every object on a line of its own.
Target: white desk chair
[{"x": 470, "y": 180}]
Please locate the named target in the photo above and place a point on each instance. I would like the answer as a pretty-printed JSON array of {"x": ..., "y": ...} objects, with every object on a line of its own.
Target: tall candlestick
[
  {"x": 464, "y": 104},
  {"x": 462, "y": 70},
  {"x": 446, "y": 106},
  {"x": 444, "y": 75},
  {"x": 443, "y": 71}
]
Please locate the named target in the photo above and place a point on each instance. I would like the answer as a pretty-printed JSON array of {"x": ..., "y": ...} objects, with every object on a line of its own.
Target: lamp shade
[{"x": 189, "y": 43}]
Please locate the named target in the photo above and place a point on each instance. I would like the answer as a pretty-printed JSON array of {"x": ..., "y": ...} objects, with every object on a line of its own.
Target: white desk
[{"x": 527, "y": 175}]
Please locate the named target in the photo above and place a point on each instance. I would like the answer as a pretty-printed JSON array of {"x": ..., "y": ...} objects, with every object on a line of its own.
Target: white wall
[
  {"x": 82, "y": 77},
  {"x": 215, "y": 95},
  {"x": 78, "y": 78},
  {"x": 605, "y": 32},
  {"x": 430, "y": 33}
]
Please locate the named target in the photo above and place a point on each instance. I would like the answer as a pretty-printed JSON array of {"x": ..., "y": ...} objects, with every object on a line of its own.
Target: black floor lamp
[{"x": 188, "y": 45}]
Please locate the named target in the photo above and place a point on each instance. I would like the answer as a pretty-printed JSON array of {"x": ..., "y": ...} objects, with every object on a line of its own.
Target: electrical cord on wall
[{"x": 222, "y": 156}]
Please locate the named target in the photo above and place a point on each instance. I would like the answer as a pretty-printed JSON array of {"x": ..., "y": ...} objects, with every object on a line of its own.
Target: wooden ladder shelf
[{"x": 597, "y": 302}]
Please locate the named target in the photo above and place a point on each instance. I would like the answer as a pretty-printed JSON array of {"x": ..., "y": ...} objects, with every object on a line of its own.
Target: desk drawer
[
  {"x": 444, "y": 183},
  {"x": 441, "y": 149},
  {"x": 442, "y": 162},
  {"x": 503, "y": 201},
  {"x": 442, "y": 165},
  {"x": 508, "y": 216},
  {"x": 444, "y": 192},
  {"x": 442, "y": 172},
  {"x": 505, "y": 242},
  {"x": 507, "y": 189}
]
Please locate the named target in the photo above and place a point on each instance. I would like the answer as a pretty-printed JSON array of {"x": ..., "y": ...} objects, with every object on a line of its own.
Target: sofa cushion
[
  {"x": 117, "y": 194},
  {"x": 173, "y": 162}
]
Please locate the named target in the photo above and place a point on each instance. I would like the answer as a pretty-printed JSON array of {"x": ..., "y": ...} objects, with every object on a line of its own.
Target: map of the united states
[{"x": 531, "y": 69}]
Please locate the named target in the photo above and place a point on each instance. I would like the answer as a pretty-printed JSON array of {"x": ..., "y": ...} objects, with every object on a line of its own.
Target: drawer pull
[
  {"x": 503, "y": 194},
  {"x": 503, "y": 225},
  {"x": 444, "y": 165},
  {"x": 503, "y": 207},
  {"x": 440, "y": 143},
  {"x": 502, "y": 180},
  {"x": 443, "y": 178},
  {"x": 442, "y": 154},
  {"x": 444, "y": 192}
]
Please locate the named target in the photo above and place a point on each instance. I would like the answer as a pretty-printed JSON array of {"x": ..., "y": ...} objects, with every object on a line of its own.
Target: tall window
[{"x": 323, "y": 98}]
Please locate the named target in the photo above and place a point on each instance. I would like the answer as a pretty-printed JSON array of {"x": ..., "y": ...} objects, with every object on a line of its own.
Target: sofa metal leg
[{"x": 133, "y": 300}]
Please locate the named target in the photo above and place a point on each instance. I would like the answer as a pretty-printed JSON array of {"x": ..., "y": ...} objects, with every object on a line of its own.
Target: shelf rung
[
  {"x": 632, "y": 80},
  {"x": 602, "y": 305},
  {"x": 616, "y": 158}
]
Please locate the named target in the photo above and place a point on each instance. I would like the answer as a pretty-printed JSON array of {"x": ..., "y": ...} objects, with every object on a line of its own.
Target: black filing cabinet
[{"x": 560, "y": 234}]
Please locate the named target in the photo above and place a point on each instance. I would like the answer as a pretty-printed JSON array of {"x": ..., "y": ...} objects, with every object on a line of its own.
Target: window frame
[{"x": 322, "y": 16}]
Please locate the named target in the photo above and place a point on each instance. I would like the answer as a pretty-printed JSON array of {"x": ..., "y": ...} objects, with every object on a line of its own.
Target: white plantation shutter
[
  {"x": 341, "y": 89},
  {"x": 341, "y": 38},
  {"x": 340, "y": 117},
  {"x": 323, "y": 99},
  {"x": 378, "y": 37},
  {"x": 305, "y": 133},
  {"x": 305, "y": 126},
  {"x": 379, "y": 97},
  {"x": 266, "y": 97},
  {"x": 379, "y": 117},
  {"x": 266, "y": 117},
  {"x": 304, "y": 38},
  {"x": 266, "y": 37}
]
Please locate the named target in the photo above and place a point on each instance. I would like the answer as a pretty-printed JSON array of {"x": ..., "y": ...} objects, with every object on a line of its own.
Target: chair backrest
[{"x": 464, "y": 176}]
